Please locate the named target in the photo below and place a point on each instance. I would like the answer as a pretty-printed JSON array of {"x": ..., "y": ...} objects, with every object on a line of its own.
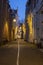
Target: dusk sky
[{"x": 20, "y": 4}]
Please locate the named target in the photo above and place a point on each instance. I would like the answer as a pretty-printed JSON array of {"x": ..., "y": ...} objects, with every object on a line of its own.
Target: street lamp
[
  {"x": 14, "y": 20},
  {"x": 14, "y": 23},
  {"x": 14, "y": 26}
]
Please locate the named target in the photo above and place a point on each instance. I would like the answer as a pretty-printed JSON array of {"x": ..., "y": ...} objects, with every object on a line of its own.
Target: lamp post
[{"x": 14, "y": 25}]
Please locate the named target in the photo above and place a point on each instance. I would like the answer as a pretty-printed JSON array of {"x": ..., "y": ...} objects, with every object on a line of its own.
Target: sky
[{"x": 20, "y": 4}]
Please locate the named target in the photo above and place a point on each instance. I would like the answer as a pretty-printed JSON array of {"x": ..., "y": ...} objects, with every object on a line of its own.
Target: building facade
[
  {"x": 7, "y": 25},
  {"x": 28, "y": 20},
  {"x": 4, "y": 19},
  {"x": 37, "y": 21},
  {"x": 13, "y": 23},
  {"x": 34, "y": 20}
]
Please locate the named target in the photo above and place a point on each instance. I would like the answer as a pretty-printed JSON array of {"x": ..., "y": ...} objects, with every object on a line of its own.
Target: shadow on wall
[{"x": 27, "y": 31}]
